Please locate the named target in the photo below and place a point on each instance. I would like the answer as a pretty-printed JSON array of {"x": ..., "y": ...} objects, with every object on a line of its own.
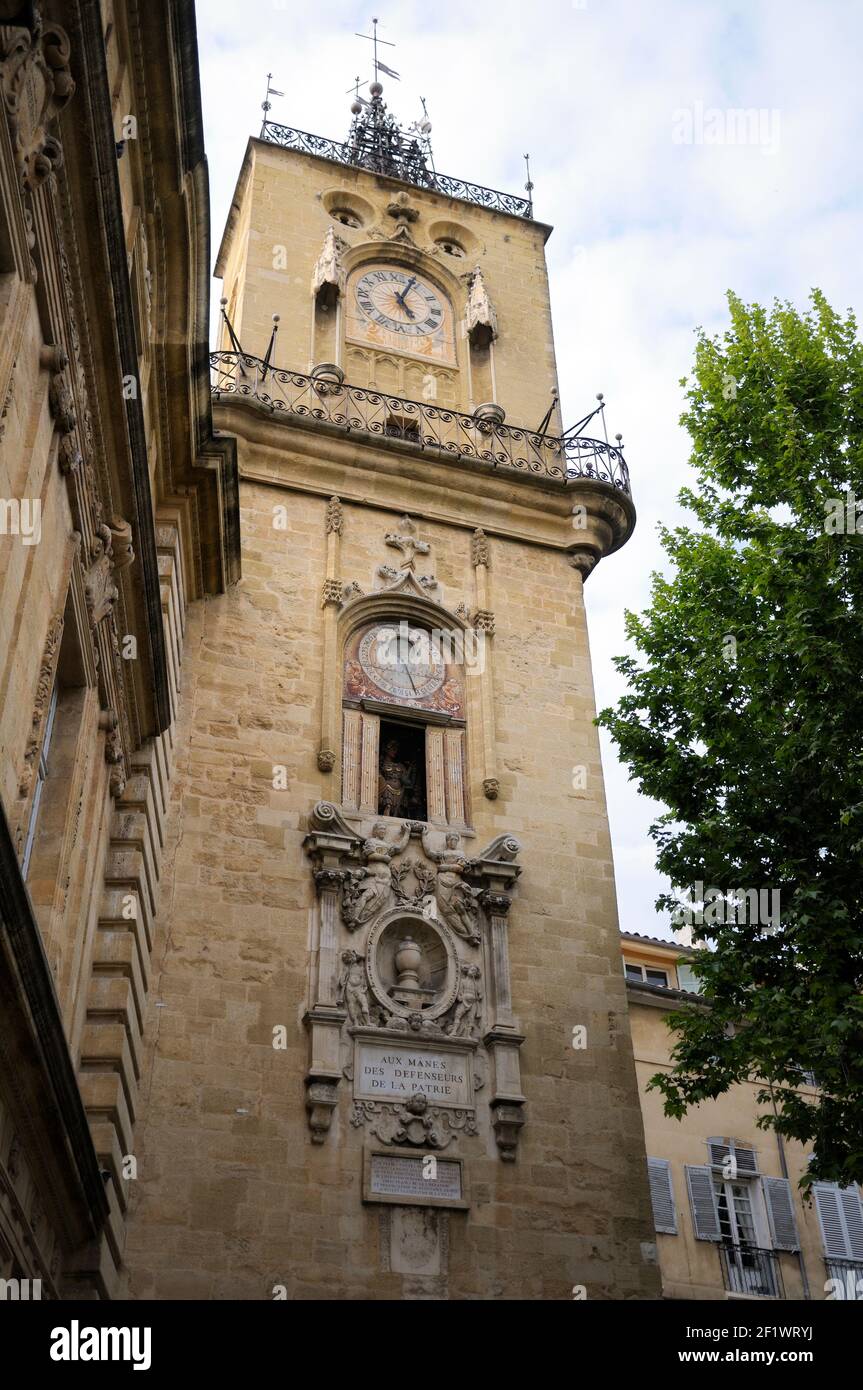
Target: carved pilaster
[
  {"x": 455, "y": 797},
  {"x": 329, "y": 843},
  {"x": 44, "y": 687},
  {"x": 435, "y": 783},
  {"x": 497, "y": 871},
  {"x": 484, "y": 622},
  {"x": 370, "y": 758},
  {"x": 331, "y": 599},
  {"x": 352, "y": 727}
]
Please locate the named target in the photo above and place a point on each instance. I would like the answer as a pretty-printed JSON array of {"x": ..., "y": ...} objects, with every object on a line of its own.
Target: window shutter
[
  {"x": 780, "y": 1213},
  {"x": 721, "y": 1149},
  {"x": 662, "y": 1196},
  {"x": 702, "y": 1198},
  {"x": 718, "y": 1150},
  {"x": 841, "y": 1219},
  {"x": 849, "y": 1201}
]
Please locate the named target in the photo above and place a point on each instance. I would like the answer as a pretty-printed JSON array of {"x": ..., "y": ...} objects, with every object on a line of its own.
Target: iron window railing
[
  {"x": 848, "y": 1274},
  {"x": 429, "y": 427},
  {"x": 747, "y": 1269}
]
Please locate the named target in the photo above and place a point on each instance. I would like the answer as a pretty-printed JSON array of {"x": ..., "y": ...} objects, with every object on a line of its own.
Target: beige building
[
  {"x": 729, "y": 1216},
  {"x": 118, "y": 509}
]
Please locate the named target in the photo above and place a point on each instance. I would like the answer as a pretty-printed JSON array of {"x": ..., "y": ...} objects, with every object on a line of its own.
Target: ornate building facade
[
  {"x": 119, "y": 509},
  {"x": 309, "y": 924}
]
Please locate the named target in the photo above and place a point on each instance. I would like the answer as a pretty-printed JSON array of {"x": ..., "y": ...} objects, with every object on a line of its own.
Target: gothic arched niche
[
  {"x": 403, "y": 714},
  {"x": 402, "y": 662}
]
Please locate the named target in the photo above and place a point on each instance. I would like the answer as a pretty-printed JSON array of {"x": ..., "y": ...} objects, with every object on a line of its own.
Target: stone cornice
[{"x": 321, "y": 460}]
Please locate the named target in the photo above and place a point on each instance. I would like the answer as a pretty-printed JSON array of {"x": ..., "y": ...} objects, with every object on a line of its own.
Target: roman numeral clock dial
[{"x": 394, "y": 308}]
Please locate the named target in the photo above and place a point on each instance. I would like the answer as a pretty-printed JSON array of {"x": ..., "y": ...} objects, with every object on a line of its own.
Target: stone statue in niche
[
  {"x": 352, "y": 990},
  {"x": 466, "y": 1017},
  {"x": 368, "y": 890},
  {"x": 397, "y": 783},
  {"x": 456, "y": 901}
]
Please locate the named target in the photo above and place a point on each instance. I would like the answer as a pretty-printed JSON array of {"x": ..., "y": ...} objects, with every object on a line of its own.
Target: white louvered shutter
[
  {"x": 662, "y": 1196},
  {"x": 841, "y": 1219},
  {"x": 702, "y": 1199},
  {"x": 747, "y": 1159},
  {"x": 720, "y": 1150},
  {"x": 852, "y": 1212},
  {"x": 780, "y": 1213}
]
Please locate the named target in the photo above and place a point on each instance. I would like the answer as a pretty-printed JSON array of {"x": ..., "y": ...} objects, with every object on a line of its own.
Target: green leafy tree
[{"x": 744, "y": 717}]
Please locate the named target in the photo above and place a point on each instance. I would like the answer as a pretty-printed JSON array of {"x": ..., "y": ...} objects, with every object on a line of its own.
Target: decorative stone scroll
[{"x": 36, "y": 83}]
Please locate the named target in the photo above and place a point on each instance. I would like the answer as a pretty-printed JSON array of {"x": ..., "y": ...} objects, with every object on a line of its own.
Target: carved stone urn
[
  {"x": 489, "y": 413},
  {"x": 327, "y": 378},
  {"x": 407, "y": 961}
]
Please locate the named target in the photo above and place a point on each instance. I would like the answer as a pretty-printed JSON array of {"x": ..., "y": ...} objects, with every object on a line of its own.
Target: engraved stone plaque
[
  {"x": 397, "y": 1071},
  {"x": 400, "y": 1178}
]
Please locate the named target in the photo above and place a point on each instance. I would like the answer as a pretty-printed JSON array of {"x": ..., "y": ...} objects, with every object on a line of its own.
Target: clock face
[
  {"x": 390, "y": 307},
  {"x": 403, "y": 661},
  {"x": 399, "y": 302}
]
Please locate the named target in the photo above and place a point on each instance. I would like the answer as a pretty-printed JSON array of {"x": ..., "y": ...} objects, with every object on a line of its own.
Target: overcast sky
[{"x": 653, "y": 224}]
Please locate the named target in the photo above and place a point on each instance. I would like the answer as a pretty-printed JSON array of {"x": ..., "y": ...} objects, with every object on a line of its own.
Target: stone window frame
[{"x": 73, "y": 716}]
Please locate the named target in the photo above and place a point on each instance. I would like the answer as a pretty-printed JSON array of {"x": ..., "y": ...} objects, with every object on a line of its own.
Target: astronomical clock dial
[
  {"x": 392, "y": 308},
  {"x": 402, "y": 661}
]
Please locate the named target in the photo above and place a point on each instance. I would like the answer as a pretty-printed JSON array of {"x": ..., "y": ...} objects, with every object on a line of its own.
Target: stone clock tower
[{"x": 391, "y": 1057}]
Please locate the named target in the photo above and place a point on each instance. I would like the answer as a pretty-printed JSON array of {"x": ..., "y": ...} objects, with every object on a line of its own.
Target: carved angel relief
[{"x": 409, "y": 997}]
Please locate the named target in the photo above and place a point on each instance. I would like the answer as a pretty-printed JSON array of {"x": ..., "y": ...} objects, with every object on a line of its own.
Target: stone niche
[{"x": 410, "y": 1011}]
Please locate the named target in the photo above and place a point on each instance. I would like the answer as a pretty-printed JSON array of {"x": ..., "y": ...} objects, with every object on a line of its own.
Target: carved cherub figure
[
  {"x": 369, "y": 889},
  {"x": 456, "y": 900},
  {"x": 468, "y": 1003},
  {"x": 352, "y": 990}
]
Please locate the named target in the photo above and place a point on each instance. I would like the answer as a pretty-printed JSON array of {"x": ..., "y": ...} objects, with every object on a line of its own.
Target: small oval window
[{"x": 452, "y": 247}]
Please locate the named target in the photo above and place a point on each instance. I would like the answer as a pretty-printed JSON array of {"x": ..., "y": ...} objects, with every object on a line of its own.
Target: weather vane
[
  {"x": 379, "y": 66},
  {"x": 271, "y": 92}
]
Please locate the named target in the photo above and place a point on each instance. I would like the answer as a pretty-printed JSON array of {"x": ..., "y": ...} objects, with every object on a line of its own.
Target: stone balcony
[{"x": 592, "y": 470}]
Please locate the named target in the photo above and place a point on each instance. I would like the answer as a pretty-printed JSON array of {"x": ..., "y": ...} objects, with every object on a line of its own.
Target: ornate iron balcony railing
[
  {"x": 747, "y": 1269},
  {"x": 849, "y": 1278},
  {"x": 431, "y": 427},
  {"x": 409, "y": 170}
]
